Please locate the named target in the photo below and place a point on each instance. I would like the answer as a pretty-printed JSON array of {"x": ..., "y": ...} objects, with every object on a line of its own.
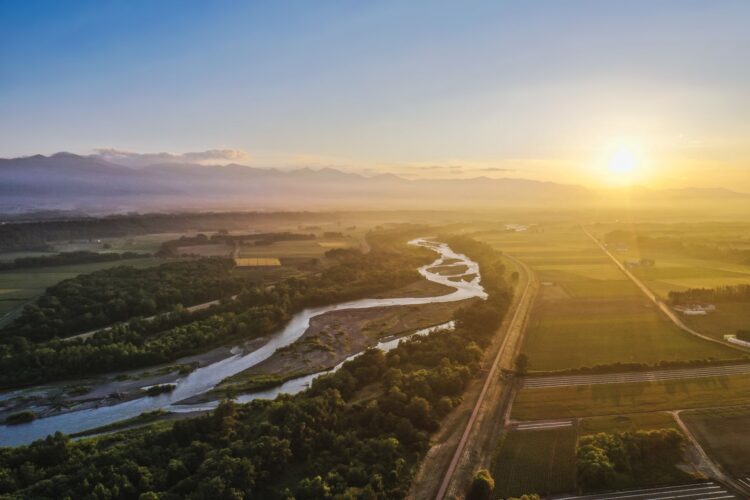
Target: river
[{"x": 205, "y": 378}]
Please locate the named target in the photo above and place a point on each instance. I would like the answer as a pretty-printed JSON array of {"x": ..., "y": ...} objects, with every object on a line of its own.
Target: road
[
  {"x": 627, "y": 377},
  {"x": 697, "y": 491},
  {"x": 659, "y": 303},
  {"x": 463, "y": 461}
]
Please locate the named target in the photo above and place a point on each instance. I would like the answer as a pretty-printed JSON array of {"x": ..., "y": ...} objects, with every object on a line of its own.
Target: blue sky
[{"x": 540, "y": 89}]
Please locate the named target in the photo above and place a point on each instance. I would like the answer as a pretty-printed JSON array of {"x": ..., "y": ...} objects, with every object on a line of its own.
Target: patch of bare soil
[
  {"x": 449, "y": 270},
  {"x": 465, "y": 277},
  {"x": 421, "y": 288},
  {"x": 335, "y": 335}
]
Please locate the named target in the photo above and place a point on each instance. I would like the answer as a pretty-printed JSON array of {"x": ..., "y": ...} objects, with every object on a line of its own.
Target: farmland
[
  {"x": 723, "y": 433},
  {"x": 616, "y": 399},
  {"x": 588, "y": 303},
  {"x": 695, "y": 256},
  {"x": 535, "y": 461},
  {"x": 544, "y": 461}
]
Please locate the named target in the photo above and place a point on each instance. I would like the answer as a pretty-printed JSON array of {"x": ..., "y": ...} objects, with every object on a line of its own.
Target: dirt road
[{"x": 468, "y": 436}]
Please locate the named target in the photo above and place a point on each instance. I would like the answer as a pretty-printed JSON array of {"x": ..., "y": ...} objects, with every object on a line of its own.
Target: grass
[
  {"x": 616, "y": 399},
  {"x": 723, "y": 434},
  {"x": 535, "y": 462},
  {"x": 572, "y": 333},
  {"x": 630, "y": 422}
]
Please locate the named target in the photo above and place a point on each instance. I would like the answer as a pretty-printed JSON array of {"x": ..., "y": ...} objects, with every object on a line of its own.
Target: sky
[{"x": 591, "y": 92}]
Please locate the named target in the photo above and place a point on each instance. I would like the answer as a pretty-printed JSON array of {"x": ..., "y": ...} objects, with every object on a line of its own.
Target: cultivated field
[
  {"x": 723, "y": 433},
  {"x": 535, "y": 462},
  {"x": 543, "y": 461},
  {"x": 616, "y": 399},
  {"x": 589, "y": 312}
]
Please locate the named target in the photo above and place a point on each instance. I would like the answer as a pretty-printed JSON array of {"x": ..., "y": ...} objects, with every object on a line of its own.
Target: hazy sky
[{"x": 539, "y": 89}]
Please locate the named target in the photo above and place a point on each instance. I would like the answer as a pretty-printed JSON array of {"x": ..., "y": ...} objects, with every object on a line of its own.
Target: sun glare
[{"x": 623, "y": 164}]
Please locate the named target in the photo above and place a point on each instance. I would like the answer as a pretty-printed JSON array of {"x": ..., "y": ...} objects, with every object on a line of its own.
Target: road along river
[{"x": 205, "y": 378}]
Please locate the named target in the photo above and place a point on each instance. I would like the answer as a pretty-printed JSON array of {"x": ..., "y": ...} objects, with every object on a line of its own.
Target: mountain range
[{"x": 66, "y": 181}]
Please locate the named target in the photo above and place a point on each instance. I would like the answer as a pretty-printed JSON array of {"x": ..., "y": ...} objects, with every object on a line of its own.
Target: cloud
[
  {"x": 497, "y": 169},
  {"x": 208, "y": 157}
]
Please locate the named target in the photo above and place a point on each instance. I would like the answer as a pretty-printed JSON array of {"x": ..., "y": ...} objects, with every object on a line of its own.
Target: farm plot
[
  {"x": 619, "y": 399},
  {"x": 723, "y": 434},
  {"x": 541, "y": 462},
  {"x": 589, "y": 313}
]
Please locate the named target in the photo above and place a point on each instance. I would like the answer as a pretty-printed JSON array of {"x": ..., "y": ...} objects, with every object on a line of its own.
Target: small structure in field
[
  {"x": 633, "y": 263},
  {"x": 257, "y": 262},
  {"x": 695, "y": 309}
]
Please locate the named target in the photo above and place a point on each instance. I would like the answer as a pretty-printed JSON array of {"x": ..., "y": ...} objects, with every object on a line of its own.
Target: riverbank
[{"x": 331, "y": 338}]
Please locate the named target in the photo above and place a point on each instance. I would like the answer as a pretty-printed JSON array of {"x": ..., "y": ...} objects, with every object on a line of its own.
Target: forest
[
  {"x": 139, "y": 343},
  {"x": 18, "y": 235},
  {"x": 104, "y": 297},
  {"x": 69, "y": 258},
  {"x": 357, "y": 433}
]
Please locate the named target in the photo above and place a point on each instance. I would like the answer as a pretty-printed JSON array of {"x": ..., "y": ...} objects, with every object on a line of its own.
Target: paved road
[
  {"x": 698, "y": 491},
  {"x": 659, "y": 303},
  {"x": 647, "y": 376},
  {"x": 503, "y": 359}
]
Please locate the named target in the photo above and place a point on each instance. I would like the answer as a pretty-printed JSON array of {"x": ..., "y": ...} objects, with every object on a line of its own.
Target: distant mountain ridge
[{"x": 68, "y": 181}]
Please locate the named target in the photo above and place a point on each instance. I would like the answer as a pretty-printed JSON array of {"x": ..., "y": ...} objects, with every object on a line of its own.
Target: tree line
[
  {"x": 69, "y": 258},
  {"x": 104, "y": 297},
  {"x": 728, "y": 293},
  {"x": 607, "y": 461}
]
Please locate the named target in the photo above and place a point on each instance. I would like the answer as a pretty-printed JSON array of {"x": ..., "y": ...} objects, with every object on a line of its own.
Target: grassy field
[
  {"x": 588, "y": 311},
  {"x": 617, "y": 399},
  {"x": 723, "y": 434},
  {"x": 624, "y": 423},
  {"x": 675, "y": 272},
  {"x": 535, "y": 462},
  {"x": 20, "y": 286}
]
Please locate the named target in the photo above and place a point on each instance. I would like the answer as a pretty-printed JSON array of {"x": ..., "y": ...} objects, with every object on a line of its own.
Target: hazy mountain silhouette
[{"x": 68, "y": 181}]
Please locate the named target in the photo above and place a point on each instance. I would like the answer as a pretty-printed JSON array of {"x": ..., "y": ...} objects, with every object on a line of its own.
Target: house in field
[
  {"x": 695, "y": 309},
  {"x": 634, "y": 263}
]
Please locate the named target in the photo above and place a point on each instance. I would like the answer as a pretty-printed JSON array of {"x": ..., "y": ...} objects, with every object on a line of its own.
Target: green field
[
  {"x": 616, "y": 399},
  {"x": 17, "y": 287},
  {"x": 535, "y": 462},
  {"x": 676, "y": 272},
  {"x": 724, "y": 435},
  {"x": 588, "y": 311}
]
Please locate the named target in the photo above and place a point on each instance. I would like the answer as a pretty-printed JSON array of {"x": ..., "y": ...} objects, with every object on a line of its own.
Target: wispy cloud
[{"x": 208, "y": 157}]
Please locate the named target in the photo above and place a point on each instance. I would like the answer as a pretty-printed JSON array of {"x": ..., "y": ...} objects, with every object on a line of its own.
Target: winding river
[{"x": 205, "y": 378}]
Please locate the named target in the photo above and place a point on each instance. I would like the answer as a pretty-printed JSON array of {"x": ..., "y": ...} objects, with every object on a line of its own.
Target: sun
[{"x": 624, "y": 164}]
